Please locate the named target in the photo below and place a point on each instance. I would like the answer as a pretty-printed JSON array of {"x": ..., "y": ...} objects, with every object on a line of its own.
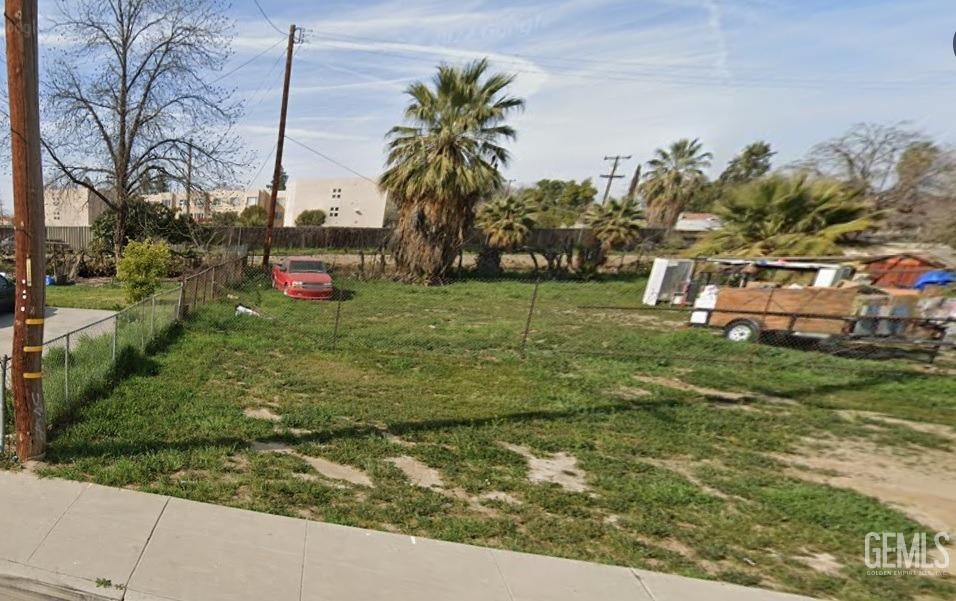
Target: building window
[
  {"x": 252, "y": 201},
  {"x": 333, "y": 211},
  {"x": 336, "y": 193}
]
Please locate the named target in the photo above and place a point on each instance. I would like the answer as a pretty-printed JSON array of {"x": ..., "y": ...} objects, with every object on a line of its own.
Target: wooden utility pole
[
  {"x": 29, "y": 232},
  {"x": 610, "y": 178},
  {"x": 189, "y": 179},
  {"x": 277, "y": 172}
]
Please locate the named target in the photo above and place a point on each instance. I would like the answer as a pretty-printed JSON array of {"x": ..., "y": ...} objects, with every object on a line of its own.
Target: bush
[
  {"x": 141, "y": 267},
  {"x": 254, "y": 216},
  {"x": 311, "y": 217}
]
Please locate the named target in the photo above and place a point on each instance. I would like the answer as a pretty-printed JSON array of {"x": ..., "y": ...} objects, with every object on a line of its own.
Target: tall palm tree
[
  {"x": 506, "y": 223},
  {"x": 616, "y": 223},
  {"x": 444, "y": 161},
  {"x": 672, "y": 178},
  {"x": 779, "y": 216}
]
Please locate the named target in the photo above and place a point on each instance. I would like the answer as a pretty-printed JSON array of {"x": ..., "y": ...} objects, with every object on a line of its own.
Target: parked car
[
  {"x": 8, "y": 294},
  {"x": 302, "y": 277}
]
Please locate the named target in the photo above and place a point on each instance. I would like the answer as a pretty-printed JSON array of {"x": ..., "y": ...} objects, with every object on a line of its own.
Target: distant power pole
[
  {"x": 277, "y": 172},
  {"x": 612, "y": 176},
  {"x": 29, "y": 230}
]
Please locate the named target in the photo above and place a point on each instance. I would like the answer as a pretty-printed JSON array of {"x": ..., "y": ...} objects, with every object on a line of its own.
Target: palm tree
[
  {"x": 781, "y": 216},
  {"x": 506, "y": 223},
  {"x": 616, "y": 223},
  {"x": 444, "y": 162},
  {"x": 672, "y": 178}
]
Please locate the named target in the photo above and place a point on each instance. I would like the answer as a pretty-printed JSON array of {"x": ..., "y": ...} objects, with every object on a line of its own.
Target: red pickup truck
[{"x": 302, "y": 277}]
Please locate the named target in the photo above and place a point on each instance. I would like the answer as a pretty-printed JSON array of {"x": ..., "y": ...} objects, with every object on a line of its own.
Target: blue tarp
[{"x": 935, "y": 278}]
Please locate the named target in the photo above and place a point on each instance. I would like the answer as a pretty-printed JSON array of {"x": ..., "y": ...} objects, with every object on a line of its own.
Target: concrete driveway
[{"x": 59, "y": 321}]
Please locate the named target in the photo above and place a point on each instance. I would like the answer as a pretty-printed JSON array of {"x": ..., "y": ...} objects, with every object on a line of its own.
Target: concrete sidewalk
[{"x": 68, "y": 540}]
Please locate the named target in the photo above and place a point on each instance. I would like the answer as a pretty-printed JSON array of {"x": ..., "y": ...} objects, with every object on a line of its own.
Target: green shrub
[
  {"x": 254, "y": 216},
  {"x": 141, "y": 267},
  {"x": 311, "y": 217}
]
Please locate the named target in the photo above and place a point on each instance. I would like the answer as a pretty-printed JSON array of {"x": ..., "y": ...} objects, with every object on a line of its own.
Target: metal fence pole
[
  {"x": 527, "y": 324},
  {"x": 338, "y": 314},
  {"x": 179, "y": 301},
  {"x": 3, "y": 402},
  {"x": 66, "y": 371},
  {"x": 115, "y": 332},
  {"x": 152, "y": 317},
  {"x": 213, "y": 287}
]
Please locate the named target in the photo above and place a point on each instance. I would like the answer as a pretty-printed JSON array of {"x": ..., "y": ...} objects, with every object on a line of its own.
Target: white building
[
  {"x": 71, "y": 207},
  {"x": 346, "y": 201}
]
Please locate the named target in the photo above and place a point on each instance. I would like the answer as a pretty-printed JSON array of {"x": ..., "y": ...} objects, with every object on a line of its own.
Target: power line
[
  {"x": 652, "y": 73},
  {"x": 330, "y": 159},
  {"x": 228, "y": 73},
  {"x": 268, "y": 20}
]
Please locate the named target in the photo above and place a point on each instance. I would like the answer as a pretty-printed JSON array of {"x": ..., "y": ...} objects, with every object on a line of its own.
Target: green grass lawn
[
  {"x": 109, "y": 296},
  {"x": 676, "y": 481}
]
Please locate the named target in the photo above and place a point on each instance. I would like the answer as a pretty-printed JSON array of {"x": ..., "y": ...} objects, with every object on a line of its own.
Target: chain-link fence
[
  {"x": 603, "y": 315},
  {"x": 85, "y": 362}
]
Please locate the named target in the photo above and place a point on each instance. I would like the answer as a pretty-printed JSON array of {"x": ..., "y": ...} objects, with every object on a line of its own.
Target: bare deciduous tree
[
  {"x": 131, "y": 90},
  {"x": 865, "y": 156}
]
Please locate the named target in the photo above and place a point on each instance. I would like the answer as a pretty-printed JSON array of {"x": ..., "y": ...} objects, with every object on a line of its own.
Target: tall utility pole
[
  {"x": 610, "y": 178},
  {"x": 189, "y": 180},
  {"x": 277, "y": 172},
  {"x": 29, "y": 232}
]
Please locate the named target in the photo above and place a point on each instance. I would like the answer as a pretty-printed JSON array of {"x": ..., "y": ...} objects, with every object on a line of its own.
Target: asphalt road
[{"x": 59, "y": 321}]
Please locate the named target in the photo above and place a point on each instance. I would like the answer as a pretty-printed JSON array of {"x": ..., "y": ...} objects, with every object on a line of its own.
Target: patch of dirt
[
  {"x": 561, "y": 469},
  {"x": 262, "y": 413},
  {"x": 712, "y": 393},
  {"x": 501, "y": 497},
  {"x": 629, "y": 393},
  {"x": 337, "y": 471},
  {"x": 935, "y": 429},
  {"x": 419, "y": 473},
  {"x": 328, "y": 469},
  {"x": 399, "y": 441},
  {"x": 821, "y": 562},
  {"x": 923, "y": 487}
]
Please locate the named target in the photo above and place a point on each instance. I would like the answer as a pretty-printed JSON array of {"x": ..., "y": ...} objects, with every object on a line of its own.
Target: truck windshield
[{"x": 307, "y": 267}]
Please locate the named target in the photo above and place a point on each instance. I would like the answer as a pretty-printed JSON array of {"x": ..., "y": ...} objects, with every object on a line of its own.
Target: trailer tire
[{"x": 742, "y": 330}]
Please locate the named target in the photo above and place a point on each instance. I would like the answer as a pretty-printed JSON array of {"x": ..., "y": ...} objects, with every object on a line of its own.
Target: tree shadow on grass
[{"x": 107, "y": 449}]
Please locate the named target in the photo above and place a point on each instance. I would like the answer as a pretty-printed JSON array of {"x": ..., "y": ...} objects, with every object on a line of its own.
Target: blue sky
[{"x": 599, "y": 76}]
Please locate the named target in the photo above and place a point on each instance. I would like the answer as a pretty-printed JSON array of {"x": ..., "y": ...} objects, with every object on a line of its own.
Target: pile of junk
[{"x": 750, "y": 299}]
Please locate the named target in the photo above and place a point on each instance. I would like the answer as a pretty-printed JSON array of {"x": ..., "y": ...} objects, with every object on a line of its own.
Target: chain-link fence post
[
  {"x": 179, "y": 300},
  {"x": 66, "y": 372},
  {"x": 3, "y": 402},
  {"x": 213, "y": 287},
  {"x": 527, "y": 324},
  {"x": 338, "y": 315},
  {"x": 115, "y": 334},
  {"x": 152, "y": 317}
]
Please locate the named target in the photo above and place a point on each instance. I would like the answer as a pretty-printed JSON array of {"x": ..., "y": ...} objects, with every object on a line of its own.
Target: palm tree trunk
[{"x": 427, "y": 239}]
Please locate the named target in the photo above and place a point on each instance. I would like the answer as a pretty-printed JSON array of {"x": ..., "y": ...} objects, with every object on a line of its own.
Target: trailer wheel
[{"x": 742, "y": 330}]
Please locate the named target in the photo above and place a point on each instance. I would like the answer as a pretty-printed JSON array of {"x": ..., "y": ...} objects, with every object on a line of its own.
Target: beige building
[
  {"x": 203, "y": 205},
  {"x": 71, "y": 207},
  {"x": 346, "y": 201}
]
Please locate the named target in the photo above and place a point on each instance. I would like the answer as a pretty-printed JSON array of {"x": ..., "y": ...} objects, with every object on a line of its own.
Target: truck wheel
[{"x": 742, "y": 330}]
